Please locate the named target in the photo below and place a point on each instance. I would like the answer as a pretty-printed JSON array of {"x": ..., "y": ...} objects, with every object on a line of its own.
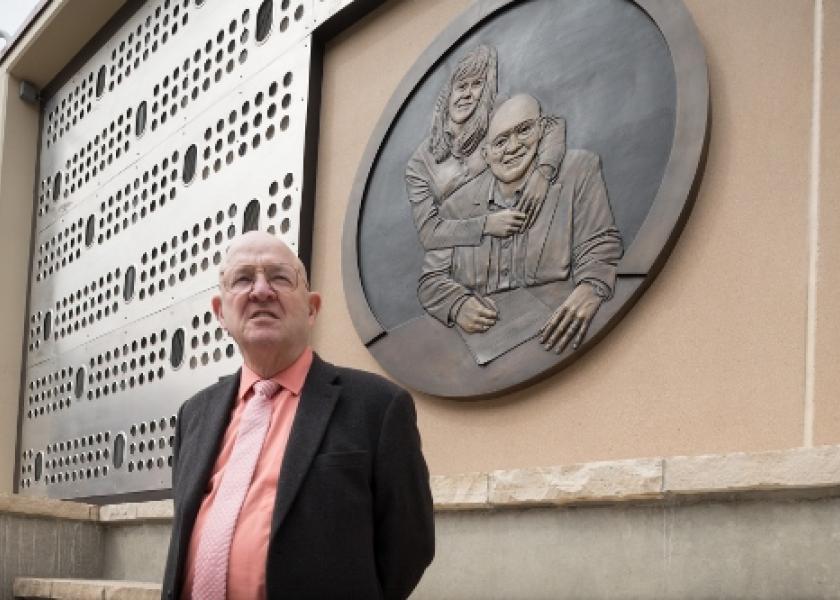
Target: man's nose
[{"x": 262, "y": 290}]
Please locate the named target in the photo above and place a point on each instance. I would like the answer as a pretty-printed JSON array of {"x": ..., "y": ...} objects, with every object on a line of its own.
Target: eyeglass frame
[
  {"x": 261, "y": 268},
  {"x": 499, "y": 143}
]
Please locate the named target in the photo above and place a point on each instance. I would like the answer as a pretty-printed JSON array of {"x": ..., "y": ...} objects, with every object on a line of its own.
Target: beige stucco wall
[
  {"x": 16, "y": 160},
  {"x": 713, "y": 357}
]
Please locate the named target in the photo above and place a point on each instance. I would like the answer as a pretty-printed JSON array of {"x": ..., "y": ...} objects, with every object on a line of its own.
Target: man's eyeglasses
[
  {"x": 523, "y": 132},
  {"x": 242, "y": 278}
]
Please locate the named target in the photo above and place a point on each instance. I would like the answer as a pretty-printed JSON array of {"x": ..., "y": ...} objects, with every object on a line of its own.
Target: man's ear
[
  {"x": 216, "y": 304},
  {"x": 484, "y": 153},
  {"x": 314, "y": 302}
]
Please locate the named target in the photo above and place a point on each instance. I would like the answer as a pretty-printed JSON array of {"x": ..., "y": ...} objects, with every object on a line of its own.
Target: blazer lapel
[
  {"x": 317, "y": 401},
  {"x": 215, "y": 416}
]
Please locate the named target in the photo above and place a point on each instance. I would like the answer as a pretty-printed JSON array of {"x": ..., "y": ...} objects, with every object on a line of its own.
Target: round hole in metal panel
[
  {"x": 140, "y": 119},
  {"x": 189, "y": 163},
  {"x": 119, "y": 450},
  {"x": 176, "y": 356},
  {"x": 128, "y": 286},
  {"x": 264, "y": 18},
  {"x": 251, "y": 217}
]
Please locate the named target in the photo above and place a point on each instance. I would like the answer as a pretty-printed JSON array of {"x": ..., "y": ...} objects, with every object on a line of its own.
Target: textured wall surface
[
  {"x": 778, "y": 550},
  {"x": 713, "y": 357},
  {"x": 45, "y": 547}
]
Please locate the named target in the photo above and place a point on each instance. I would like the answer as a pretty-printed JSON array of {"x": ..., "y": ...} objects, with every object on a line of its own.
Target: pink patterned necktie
[{"x": 211, "y": 564}]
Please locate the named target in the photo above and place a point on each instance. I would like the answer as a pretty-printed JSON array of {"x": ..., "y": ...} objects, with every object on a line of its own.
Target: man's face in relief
[{"x": 514, "y": 136}]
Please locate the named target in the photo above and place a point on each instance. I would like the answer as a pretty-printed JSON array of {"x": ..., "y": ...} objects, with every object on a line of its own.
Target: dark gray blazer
[{"x": 353, "y": 513}]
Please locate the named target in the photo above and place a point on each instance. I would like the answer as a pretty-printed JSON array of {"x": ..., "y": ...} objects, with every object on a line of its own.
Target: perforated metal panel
[{"x": 182, "y": 131}]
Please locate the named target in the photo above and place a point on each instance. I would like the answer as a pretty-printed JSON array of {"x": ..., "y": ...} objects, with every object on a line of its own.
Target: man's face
[
  {"x": 466, "y": 92},
  {"x": 267, "y": 316},
  {"x": 514, "y": 136}
]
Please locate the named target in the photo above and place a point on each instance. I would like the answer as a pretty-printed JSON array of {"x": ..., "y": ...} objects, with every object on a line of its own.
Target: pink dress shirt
[{"x": 249, "y": 547}]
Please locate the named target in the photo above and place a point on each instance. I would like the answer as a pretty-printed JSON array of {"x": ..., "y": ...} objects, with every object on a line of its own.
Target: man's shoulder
[
  {"x": 363, "y": 384},
  {"x": 214, "y": 390},
  {"x": 581, "y": 159}
]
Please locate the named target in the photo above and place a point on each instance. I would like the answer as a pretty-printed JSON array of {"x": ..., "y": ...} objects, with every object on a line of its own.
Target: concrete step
[{"x": 43, "y": 588}]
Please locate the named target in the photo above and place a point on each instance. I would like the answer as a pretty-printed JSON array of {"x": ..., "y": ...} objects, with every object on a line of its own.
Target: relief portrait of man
[
  {"x": 449, "y": 157},
  {"x": 515, "y": 195},
  {"x": 484, "y": 231}
]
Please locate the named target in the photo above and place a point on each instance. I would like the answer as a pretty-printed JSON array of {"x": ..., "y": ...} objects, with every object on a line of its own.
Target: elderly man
[
  {"x": 293, "y": 478},
  {"x": 573, "y": 237}
]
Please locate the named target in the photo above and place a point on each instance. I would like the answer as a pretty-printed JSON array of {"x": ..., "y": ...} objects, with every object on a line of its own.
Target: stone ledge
[
  {"x": 47, "y": 507},
  {"x": 137, "y": 512},
  {"x": 460, "y": 492},
  {"x": 797, "y": 469},
  {"x": 612, "y": 481},
  {"x": 36, "y": 588}
]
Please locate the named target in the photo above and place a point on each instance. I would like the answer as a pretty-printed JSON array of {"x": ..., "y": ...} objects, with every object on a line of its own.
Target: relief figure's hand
[
  {"x": 571, "y": 320},
  {"x": 533, "y": 196},
  {"x": 477, "y": 315},
  {"x": 504, "y": 223}
]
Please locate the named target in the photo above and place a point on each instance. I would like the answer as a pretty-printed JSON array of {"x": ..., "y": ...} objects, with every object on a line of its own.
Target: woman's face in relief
[{"x": 465, "y": 95}]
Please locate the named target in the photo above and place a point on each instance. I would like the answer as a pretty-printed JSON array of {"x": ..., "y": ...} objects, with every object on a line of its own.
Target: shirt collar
[
  {"x": 495, "y": 197},
  {"x": 291, "y": 378}
]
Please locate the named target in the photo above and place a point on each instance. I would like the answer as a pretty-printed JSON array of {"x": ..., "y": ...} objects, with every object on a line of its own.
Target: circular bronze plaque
[{"x": 523, "y": 185}]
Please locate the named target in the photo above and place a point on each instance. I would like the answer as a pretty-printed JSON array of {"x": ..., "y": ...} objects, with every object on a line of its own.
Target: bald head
[
  {"x": 517, "y": 109},
  {"x": 245, "y": 244}
]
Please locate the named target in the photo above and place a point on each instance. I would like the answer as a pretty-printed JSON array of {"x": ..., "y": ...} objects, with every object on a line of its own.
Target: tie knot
[{"x": 266, "y": 388}]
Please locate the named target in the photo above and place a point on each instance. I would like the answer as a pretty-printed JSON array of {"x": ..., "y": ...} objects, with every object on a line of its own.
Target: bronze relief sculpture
[{"x": 536, "y": 204}]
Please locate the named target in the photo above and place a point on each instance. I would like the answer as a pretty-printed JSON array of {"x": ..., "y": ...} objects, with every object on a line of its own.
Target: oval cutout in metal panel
[
  {"x": 643, "y": 148},
  {"x": 90, "y": 230},
  {"x": 39, "y": 465},
  {"x": 251, "y": 217},
  {"x": 56, "y": 191},
  {"x": 100, "y": 81},
  {"x": 79, "y": 384},
  {"x": 140, "y": 119},
  {"x": 119, "y": 450},
  {"x": 176, "y": 353},
  {"x": 128, "y": 284},
  {"x": 264, "y": 17},
  {"x": 47, "y": 326},
  {"x": 189, "y": 163}
]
